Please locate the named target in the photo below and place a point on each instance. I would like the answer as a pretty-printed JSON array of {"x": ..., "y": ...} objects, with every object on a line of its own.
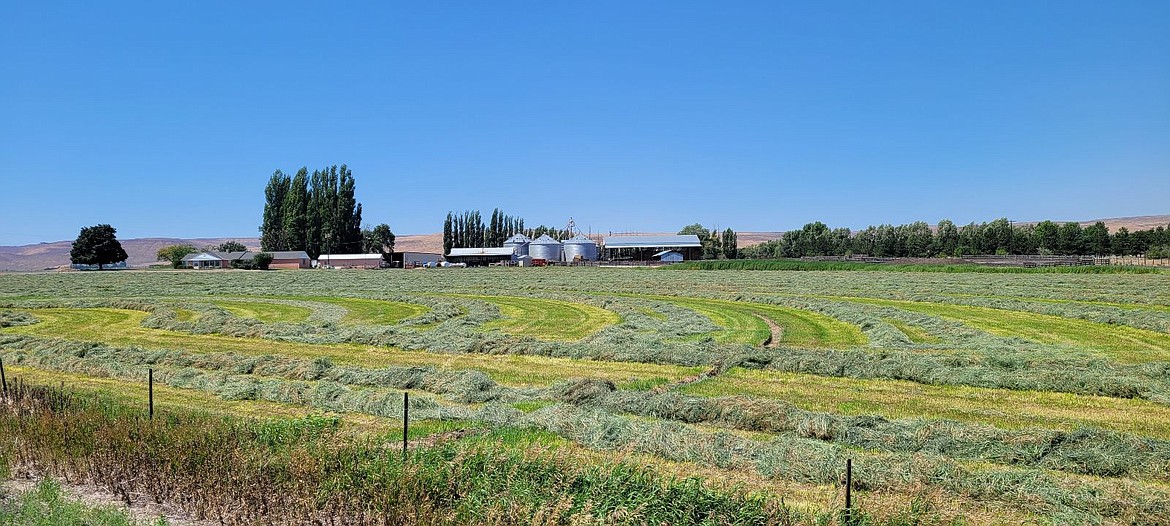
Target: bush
[{"x": 262, "y": 260}]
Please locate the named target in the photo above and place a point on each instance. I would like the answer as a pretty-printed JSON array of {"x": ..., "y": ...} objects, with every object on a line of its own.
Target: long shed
[{"x": 644, "y": 248}]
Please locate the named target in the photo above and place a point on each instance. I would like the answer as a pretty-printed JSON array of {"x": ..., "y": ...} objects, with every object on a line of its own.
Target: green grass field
[{"x": 756, "y": 382}]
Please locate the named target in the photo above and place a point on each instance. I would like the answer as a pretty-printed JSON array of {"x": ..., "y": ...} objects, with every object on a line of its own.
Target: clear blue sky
[{"x": 166, "y": 119}]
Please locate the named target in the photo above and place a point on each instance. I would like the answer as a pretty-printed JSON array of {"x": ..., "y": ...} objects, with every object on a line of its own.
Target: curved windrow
[
  {"x": 1123, "y": 343},
  {"x": 761, "y": 323},
  {"x": 546, "y": 319}
]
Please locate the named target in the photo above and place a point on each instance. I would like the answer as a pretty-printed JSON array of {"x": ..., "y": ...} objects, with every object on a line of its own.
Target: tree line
[
  {"x": 316, "y": 212},
  {"x": 1000, "y": 237},
  {"x": 468, "y": 230}
]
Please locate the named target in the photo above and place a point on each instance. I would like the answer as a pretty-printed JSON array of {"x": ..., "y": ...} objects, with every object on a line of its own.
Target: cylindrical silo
[
  {"x": 545, "y": 248},
  {"x": 519, "y": 242},
  {"x": 580, "y": 248}
]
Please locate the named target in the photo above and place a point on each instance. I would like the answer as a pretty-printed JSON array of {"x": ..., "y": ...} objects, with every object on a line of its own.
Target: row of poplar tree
[
  {"x": 316, "y": 212},
  {"x": 467, "y": 230}
]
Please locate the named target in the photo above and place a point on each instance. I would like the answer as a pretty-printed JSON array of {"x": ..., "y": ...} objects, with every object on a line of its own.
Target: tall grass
[{"x": 241, "y": 472}]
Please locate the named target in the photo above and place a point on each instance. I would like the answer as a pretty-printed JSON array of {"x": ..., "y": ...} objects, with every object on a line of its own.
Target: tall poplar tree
[
  {"x": 272, "y": 226},
  {"x": 296, "y": 213}
]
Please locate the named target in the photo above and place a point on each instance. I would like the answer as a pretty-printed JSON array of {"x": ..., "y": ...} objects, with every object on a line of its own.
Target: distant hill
[
  {"x": 53, "y": 255},
  {"x": 142, "y": 251}
]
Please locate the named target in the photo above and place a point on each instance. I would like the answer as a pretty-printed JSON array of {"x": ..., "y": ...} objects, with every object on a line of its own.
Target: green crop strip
[
  {"x": 122, "y": 327},
  {"x": 374, "y": 312},
  {"x": 742, "y": 323},
  {"x": 915, "y": 334},
  {"x": 545, "y": 319},
  {"x": 265, "y": 312},
  {"x": 901, "y": 399},
  {"x": 1125, "y": 344}
]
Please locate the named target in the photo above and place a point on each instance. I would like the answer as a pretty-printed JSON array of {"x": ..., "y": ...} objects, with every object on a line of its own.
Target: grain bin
[
  {"x": 580, "y": 248},
  {"x": 520, "y": 243},
  {"x": 545, "y": 248}
]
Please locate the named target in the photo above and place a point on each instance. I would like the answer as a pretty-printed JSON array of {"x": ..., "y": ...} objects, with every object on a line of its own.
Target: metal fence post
[
  {"x": 150, "y": 390},
  {"x": 405, "y": 422},
  {"x": 3, "y": 378},
  {"x": 849, "y": 489}
]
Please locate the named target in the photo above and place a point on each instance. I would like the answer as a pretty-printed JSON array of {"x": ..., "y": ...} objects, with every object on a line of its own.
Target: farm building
[
  {"x": 645, "y": 248},
  {"x": 481, "y": 256},
  {"x": 288, "y": 259},
  {"x": 414, "y": 259},
  {"x": 350, "y": 261},
  {"x": 213, "y": 259}
]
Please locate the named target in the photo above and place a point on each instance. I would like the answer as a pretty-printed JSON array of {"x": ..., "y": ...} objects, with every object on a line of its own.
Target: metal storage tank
[
  {"x": 520, "y": 243},
  {"x": 546, "y": 248},
  {"x": 581, "y": 246}
]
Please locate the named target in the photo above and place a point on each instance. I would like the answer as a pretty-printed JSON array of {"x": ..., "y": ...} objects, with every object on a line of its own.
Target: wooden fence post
[{"x": 3, "y": 379}]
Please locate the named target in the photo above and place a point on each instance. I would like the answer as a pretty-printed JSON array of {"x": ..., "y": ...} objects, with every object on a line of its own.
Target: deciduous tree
[{"x": 97, "y": 245}]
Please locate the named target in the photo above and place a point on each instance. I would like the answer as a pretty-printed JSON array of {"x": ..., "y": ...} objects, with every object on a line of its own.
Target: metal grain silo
[
  {"x": 580, "y": 247},
  {"x": 520, "y": 243},
  {"x": 545, "y": 248}
]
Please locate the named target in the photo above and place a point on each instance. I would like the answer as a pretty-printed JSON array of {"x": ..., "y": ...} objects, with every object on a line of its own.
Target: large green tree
[
  {"x": 1097, "y": 239},
  {"x": 378, "y": 240},
  {"x": 97, "y": 245},
  {"x": 231, "y": 246},
  {"x": 175, "y": 254}
]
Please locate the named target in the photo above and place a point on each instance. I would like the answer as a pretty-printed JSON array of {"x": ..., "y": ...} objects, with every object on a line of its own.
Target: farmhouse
[
  {"x": 644, "y": 248},
  {"x": 213, "y": 259}
]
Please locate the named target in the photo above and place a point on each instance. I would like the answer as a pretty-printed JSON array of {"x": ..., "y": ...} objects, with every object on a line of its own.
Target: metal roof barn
[
  {"x": 679, "y": 241},
  {"x": 546, "y": 248},
  {"x": 489, "y": 251},
  {"x": 581, "y": 247}
]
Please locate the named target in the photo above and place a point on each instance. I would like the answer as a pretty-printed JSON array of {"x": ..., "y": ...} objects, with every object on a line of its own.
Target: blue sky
[{"x": 166, "y": 119}]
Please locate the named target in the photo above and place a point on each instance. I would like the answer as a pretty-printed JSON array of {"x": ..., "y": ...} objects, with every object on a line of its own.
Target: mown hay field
[{"x": 736, "y": 395}]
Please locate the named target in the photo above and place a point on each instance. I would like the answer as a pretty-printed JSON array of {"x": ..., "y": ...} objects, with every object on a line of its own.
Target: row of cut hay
[
  {"x": 321, "y": 384},
  {"x": 1063, "y": 500},
  {"x": 787, "y": 456},
  {"x": 999, "y": 365},
  {"x": 97, "y": 359},
  {"x": 12, "y": 318},
  {"x": 1083, "y": 451}
]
